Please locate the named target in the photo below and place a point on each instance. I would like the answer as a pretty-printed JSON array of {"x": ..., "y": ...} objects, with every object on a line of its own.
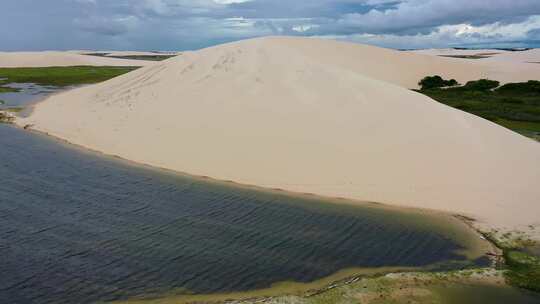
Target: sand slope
[
  {"x": 53, "y": 58},
  {"x": 313, "y": 116}
]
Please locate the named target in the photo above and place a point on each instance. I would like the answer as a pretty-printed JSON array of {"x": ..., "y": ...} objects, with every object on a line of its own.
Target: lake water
[
  {"x": 28, "y": 93},
  {"x": 77, "y": 227}
]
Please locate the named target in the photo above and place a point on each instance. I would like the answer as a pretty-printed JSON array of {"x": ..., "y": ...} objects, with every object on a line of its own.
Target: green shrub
[
  {"x": 482, "y": 85},
  {"x": 514, "y": 105},
  {"x": 432, "y": 82},
  {"x": 521, "y": 88}
]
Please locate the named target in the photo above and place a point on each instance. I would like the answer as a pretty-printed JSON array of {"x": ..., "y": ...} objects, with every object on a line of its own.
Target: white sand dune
[
  {"x": 314, "y": 116},
  {"x": 461, "y": 52},
  {"x": 525, "y": 56},
  {"x": 53, "y": 58}
]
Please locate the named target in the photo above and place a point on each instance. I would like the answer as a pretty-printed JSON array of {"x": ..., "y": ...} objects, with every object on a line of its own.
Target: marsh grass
[
  {"x": 59, "y": 76},
  {"x": 523, "y": 269},
  {"x": 7, "y": 89}
]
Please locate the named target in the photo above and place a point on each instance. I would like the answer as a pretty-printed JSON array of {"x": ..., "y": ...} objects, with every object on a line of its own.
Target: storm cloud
[{"x": 191, "y": 24}]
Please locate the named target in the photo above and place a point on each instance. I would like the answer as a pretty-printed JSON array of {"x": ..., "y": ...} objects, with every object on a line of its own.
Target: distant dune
[
  {"x": 316, "y": 116},
  {"x": 126, "y": 53},
  {"x": 502, "y": 65},
  {"x": 53, "y": 58}
]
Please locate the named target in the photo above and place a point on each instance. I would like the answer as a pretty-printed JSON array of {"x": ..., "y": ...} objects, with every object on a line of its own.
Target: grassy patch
[
  {"x": 515, "y": 106},
  {"x": 523, "y": 269},
  {"x": 59, "y": 76},
  {"x": 7, "y": 89}
]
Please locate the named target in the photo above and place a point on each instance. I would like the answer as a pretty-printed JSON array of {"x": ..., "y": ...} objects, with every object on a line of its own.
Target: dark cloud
[{"x": 189, "y": 24}]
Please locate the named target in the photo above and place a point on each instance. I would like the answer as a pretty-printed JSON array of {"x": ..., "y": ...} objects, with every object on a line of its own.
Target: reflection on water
[
  {"x": 27, "y": 94},
  {"x": 75, "y": 227}
]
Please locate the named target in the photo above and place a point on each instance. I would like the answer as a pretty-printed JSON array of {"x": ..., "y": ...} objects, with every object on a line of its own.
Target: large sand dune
[
  {"x": 53, "y": 58},
  {"x": 313, "y": 116}
]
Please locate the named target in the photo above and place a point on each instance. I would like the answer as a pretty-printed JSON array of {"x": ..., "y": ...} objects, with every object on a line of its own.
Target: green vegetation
[
  {"x": 478, "y": 56},
  {"x": 515, "y": 106},
  {"x": 521, "y": 266},
  {"x": 459, "y": 287},
  {"x": 481, "y": 85},
  {"x": 523, "y": 269},
  {"x": 7, "y": 89},
  {"x": 432, "y": 82},
  {"x": 59, "y": 76}
]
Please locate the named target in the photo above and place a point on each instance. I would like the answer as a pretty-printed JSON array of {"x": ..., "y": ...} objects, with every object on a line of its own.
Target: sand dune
[
  {"x": 505, "y": 66},
  {"x": 52, "y": 58},
  {"x": 526, "y": 56},
  {"x": 314, "y": 116}
]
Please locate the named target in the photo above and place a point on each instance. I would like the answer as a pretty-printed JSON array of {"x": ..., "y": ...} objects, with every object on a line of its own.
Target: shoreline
[
  {"x": 466, "y": 220},
  {"x": 482, "y": 276},
  {"x": 404, "y": 150},
  {"x": 342, "y": 277}
]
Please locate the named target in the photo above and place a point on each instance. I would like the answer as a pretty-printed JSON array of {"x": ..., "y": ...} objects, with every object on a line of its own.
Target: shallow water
[
  {"x": 28, "y": 93},
  {"x": 77, "y": 227}
]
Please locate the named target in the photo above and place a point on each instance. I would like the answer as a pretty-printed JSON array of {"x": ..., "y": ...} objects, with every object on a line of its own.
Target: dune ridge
[
  {"x": 312, "y": 116},
  {"x": 55, "y": 58}
]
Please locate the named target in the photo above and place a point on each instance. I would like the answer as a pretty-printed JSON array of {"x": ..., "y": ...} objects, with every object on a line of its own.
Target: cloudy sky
[{"x": 192, "y": 24}]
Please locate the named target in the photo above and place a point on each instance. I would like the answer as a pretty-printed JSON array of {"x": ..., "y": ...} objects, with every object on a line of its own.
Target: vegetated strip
[
  {"x": 156, "y": 57},
  {"x": 515, "y": 106},
  {"x": 59, "y": 76},
  {"x": 466, "y": 56}
]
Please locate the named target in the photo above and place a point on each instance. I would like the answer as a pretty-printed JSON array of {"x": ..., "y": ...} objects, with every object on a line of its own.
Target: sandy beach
[{"x": 312, "y": 116}]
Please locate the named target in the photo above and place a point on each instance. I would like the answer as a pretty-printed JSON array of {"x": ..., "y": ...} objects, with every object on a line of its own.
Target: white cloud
[
  {"x": 304, "y": 27},
  {"x": 451, "y": 35},
  {"x": 186, "y": 24},
  {"x": 230, "y": 1}
]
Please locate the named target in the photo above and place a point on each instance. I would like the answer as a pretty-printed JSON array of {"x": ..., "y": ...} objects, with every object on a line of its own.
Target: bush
[
  {"x": 482, "y": 85},
  {"x": 523, "y": 270},
  {"x": 521, "y": 88},
  {"x": 432, "y": 82}
]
